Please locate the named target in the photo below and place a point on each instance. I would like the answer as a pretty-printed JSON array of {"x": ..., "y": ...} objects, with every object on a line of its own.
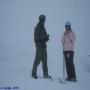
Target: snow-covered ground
[
  {"x": 17, "y": 50},
  {"x": 17, "y": 73}
]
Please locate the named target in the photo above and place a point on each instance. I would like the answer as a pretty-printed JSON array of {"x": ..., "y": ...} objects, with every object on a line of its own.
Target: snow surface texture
[{"x": 17, "y": 50}]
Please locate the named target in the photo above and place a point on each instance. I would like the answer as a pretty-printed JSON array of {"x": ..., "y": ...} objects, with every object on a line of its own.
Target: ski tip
[{"x": 63, "y": 82}]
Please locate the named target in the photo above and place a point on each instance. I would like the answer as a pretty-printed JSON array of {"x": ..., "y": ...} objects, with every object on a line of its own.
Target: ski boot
[
  {"x": 35, "y": 76},
  {"x": 47, "y": 76}
]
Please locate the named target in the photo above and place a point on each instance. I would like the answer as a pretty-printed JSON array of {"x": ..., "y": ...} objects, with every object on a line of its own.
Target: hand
[{"x": 48, "y": 35}]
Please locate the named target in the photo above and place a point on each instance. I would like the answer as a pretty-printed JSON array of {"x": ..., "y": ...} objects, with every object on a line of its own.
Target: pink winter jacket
[{"x": 68, "y": 40}]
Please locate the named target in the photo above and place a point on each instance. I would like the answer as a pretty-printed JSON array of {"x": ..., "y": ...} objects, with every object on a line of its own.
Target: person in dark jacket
[{"x": 40, "y": 39}]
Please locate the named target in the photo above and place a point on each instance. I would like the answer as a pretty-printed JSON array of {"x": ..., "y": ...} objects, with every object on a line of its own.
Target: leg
[
  {"x": 67, "y": 64},
  {"x": 72, "y": 67},
  {"x": 37, "y": 61},
  {"x": 44, "y": 61}
]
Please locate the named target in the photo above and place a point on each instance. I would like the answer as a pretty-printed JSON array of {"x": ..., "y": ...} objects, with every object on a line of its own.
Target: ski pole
[{"x": 63, "y": 68}]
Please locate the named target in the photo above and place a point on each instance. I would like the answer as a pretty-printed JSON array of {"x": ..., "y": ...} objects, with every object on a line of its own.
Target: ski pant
[
  {"x": 41, "y": 56},
  {"x": 70, "y": 68}
]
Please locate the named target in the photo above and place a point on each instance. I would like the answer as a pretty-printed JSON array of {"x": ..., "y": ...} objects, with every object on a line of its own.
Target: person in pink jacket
[{"x": 68, "y": 40}]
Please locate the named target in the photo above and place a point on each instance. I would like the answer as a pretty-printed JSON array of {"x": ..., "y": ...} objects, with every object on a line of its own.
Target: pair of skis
[{"x": 58, "y": 80}]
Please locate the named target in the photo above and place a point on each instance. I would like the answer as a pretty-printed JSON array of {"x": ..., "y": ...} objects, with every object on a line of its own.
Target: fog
[
  {"x": 19, "y": 17},
  {"x": 17, "y": 48}
]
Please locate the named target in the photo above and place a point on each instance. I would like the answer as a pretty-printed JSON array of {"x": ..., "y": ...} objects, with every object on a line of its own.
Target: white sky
[{"x": 19, "y": 17}]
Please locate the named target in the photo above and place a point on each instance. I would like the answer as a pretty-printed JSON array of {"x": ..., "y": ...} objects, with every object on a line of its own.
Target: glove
[{"x": 48, "y": 35}]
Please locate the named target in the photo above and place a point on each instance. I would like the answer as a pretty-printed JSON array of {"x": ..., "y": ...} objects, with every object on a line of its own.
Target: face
[
  {"x": 68, "y": 28},
  {"x": 42, "y": 21},
  {"x": 42, "y": 18}
]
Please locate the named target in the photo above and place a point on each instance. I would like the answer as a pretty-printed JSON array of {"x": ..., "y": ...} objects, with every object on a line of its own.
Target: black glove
[
  {"x": 47, "y": 38},
  {"x": 48, "y": 35}
]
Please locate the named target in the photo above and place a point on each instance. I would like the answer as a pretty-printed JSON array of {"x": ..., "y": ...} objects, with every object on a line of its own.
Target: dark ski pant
[
  {"x": 70, "y": 68},
  {"x": 41, "y": 56}
]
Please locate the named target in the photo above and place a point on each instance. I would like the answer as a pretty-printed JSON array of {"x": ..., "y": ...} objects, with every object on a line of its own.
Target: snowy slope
[
  {"x": 17, "y": 50},
  {"x": 18, "y": 75}
]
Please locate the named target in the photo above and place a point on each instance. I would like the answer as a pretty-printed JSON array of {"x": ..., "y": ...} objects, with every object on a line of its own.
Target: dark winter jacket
[{"x": 40, "y": 35}]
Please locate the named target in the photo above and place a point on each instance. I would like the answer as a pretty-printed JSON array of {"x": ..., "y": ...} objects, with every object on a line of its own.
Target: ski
[
  {"x": 58, "y": 80},
  {"x": 62, "y": 81}
]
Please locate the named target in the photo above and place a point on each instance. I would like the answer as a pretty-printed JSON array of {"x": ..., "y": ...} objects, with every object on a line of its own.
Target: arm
[
  {"x": 40, "y": 35},
  {"x": 72, "y": 37},
  {"x": 45, "y": 36},
  {"x": 63, "y": 39}
]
